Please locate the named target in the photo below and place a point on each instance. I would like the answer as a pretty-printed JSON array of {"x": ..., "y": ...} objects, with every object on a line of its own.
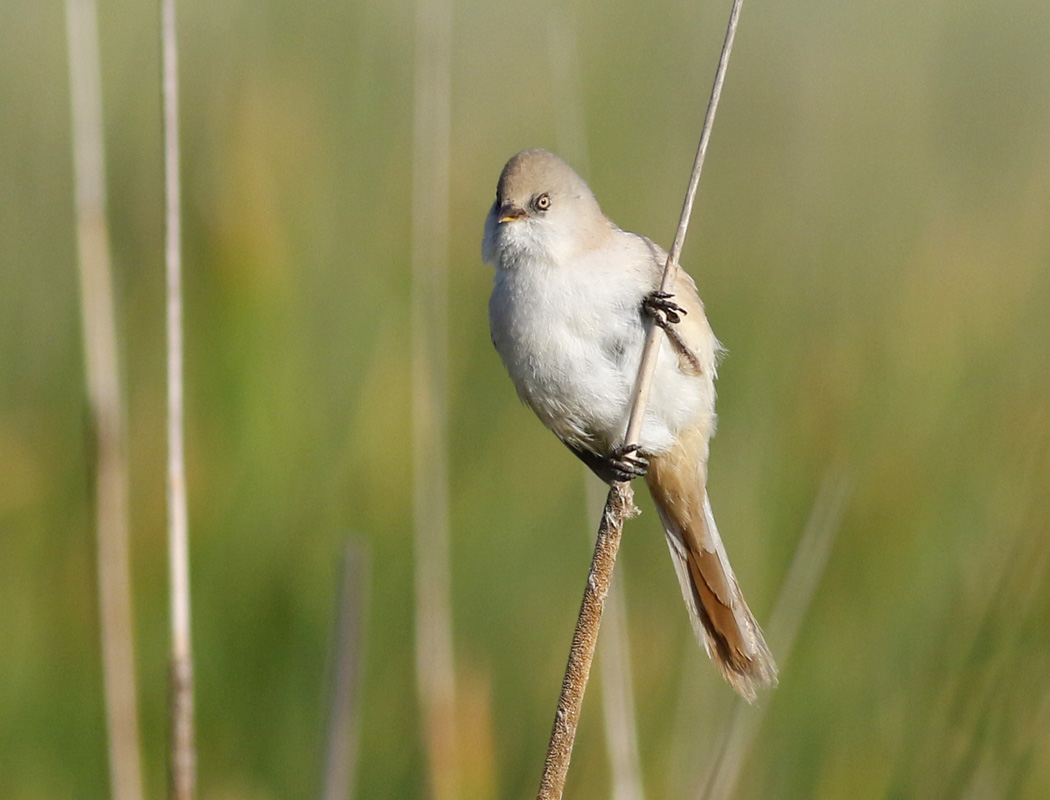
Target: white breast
[{"x": 571, "y": 338}]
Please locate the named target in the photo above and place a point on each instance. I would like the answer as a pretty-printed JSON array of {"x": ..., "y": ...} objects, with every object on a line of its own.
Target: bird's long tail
[{"x": 721, "y": 619}]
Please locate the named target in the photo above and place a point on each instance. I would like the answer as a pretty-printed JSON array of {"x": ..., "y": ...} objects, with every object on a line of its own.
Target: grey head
[{"x": 543, "y": 209}]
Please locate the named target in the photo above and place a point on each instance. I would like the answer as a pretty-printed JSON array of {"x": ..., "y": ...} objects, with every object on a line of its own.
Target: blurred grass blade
[
  {"x": 101, "y": 363},
  {"x": 435, "y": 663},
  {"x": 347, "y": 663},
  {"x": 614, "y": 672},
  {"x": 183, "y": 749},
  {"x": 983, "y": 712},
  {"x": 614, "y": 658},
  {"x": 796, "y": 593},
  {"x": 809, "y": 562},
  {"x": 614, "y": 669},
  {"x": 570, "y": 128}
]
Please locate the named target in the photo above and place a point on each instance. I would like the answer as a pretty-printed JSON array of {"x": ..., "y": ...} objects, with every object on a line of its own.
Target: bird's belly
[
  {"x": 575, "y": 390},
  {"x": 575, "y": 364}
]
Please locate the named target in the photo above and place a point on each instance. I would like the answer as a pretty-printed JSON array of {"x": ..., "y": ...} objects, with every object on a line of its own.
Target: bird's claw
[
  {"x": 662, "y": 308},
  {"x": 626, "y": 463}
]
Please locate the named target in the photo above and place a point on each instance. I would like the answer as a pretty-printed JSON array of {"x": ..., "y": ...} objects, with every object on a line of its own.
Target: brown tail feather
[{"x": 722, "y": 621}]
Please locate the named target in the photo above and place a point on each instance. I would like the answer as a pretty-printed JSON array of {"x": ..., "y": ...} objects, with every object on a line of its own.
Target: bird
[{"x": 572, "y": 301}]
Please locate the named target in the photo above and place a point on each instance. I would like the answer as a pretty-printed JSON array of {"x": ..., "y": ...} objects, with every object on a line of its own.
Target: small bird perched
[{"x": 572, "y": 302}]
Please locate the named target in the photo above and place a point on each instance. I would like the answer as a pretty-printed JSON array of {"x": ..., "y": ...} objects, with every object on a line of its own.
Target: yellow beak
[{"x": 510, "y": 213}]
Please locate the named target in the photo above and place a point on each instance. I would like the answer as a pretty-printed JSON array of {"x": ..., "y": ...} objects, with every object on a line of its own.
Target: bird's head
[{"x": 543, "y": 210}]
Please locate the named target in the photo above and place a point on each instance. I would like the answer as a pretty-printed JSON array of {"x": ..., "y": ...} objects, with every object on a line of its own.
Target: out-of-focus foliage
[{"x": 872, "y": 240}]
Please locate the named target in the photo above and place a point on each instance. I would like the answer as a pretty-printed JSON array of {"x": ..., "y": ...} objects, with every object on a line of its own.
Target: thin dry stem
[
  {"x": 102, "y": 368},
  {"x": 618, "y": 507},
  {"x": 435, "y": 674},
  {"x": 559, "y": 750},
  {"x": 348, "y": 660},
  {"x": 183, "y": 754},
  {"x": 643, "y": 385}
]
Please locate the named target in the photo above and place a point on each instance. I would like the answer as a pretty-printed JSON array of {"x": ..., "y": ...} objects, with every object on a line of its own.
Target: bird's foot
[
  {"x": 662, "y": 308},
  {"x": 625, "y": 463}
]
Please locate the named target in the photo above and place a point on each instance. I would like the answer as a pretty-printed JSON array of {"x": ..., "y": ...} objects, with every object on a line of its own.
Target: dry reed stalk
[
  {"x": 618, "y": 507},
  {"x": 652, "y": 344},
  {"x": 435, "y": 666},
  {"x": 183, "y": 776},
  {"x": 102, "y": 368},
  {"x": 347, "y": 663},
  {"x": 581, "y": 653}
]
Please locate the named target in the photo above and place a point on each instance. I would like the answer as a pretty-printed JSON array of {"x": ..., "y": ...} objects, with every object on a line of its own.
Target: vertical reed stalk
[
  {"x": 102, "y": 368},
  {"x": 435, "y": 671},
  {"x": 581, "y": 653},
  {"x": 652, "y": 344},
  {"x": 183, "y": 751},
  {"x": 618, "y": 507}
]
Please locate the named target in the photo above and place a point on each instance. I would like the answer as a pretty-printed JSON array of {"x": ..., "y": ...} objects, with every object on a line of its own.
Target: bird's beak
[{"x": 509, "y": 213}]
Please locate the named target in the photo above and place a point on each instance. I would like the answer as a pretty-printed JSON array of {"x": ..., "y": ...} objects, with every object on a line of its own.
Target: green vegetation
[{"x": 872, "y": 241}]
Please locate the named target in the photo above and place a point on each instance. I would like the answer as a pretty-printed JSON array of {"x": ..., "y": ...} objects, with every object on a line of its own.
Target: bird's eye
[{"x": 541, "y": 202}]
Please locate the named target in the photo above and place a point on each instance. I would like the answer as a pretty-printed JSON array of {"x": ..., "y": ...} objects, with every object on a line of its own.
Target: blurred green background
[{"x": 872, "y": 241}]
